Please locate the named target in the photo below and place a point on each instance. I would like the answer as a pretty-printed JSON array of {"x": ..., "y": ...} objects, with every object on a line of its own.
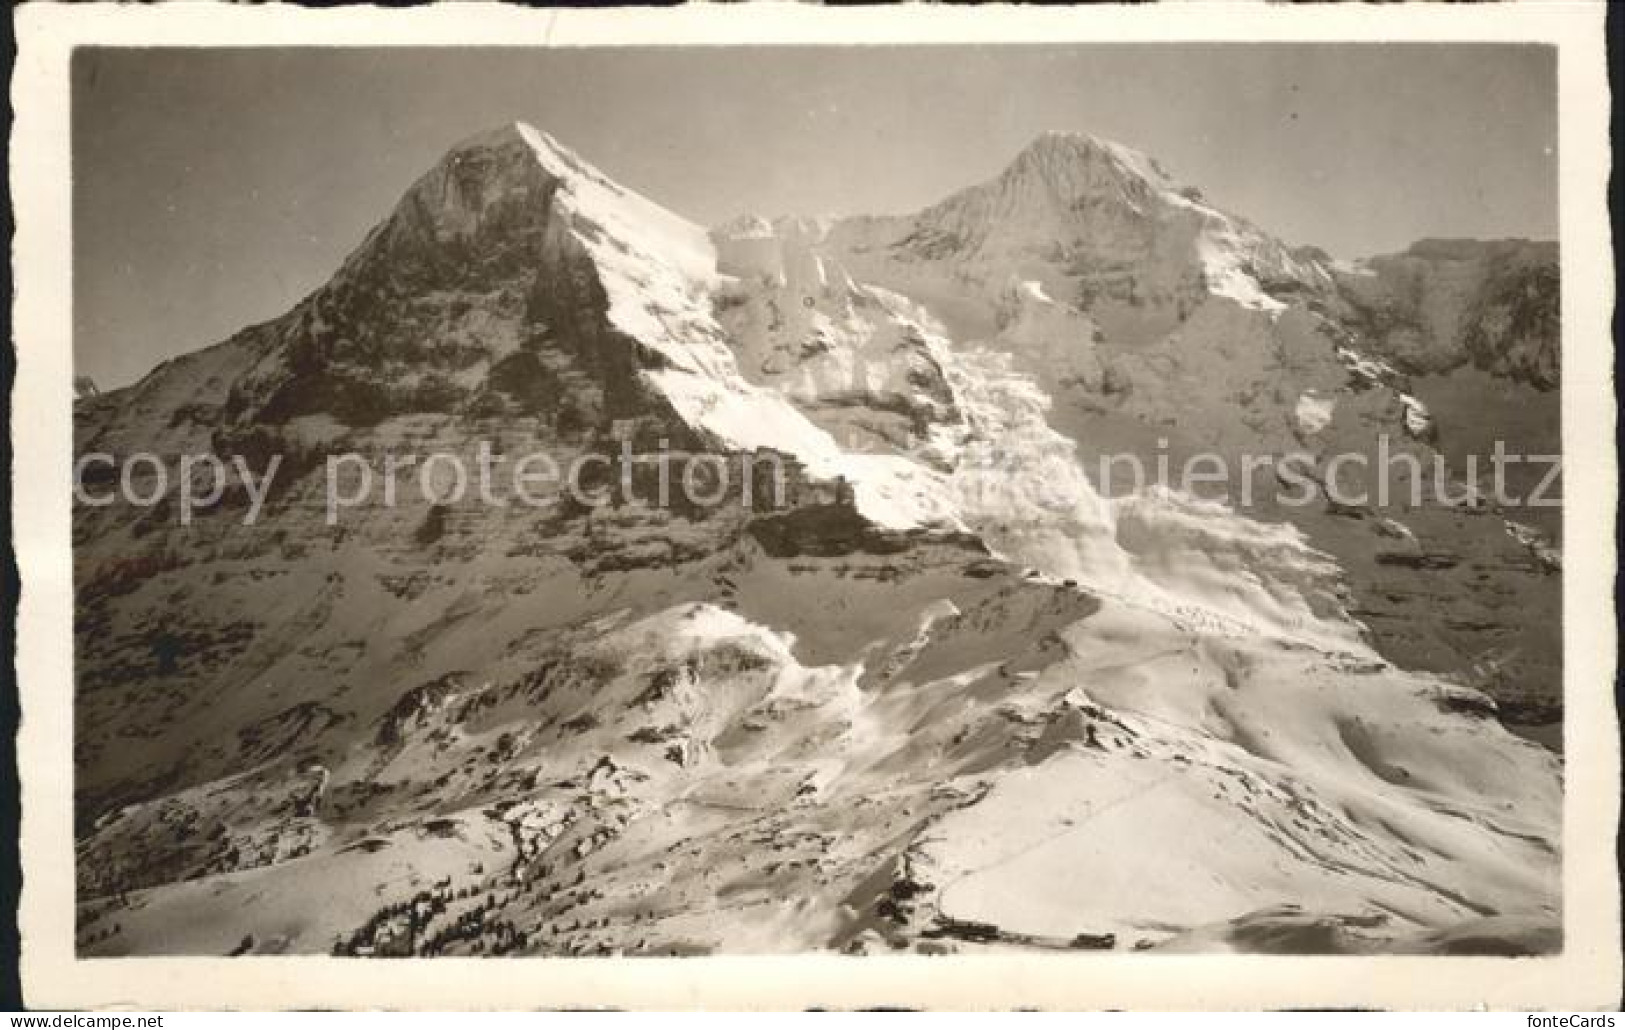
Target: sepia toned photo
[{"x": 1066, "y": 500}]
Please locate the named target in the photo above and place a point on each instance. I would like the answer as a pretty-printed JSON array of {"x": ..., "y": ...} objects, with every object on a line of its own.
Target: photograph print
[{"x": 868, "y": 500}]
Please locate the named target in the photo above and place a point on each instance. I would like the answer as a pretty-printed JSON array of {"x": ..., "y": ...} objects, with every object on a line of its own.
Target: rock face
[
  {"x": 1442, "y": 304},
  {"x": 905, "y": 681},
  {"x": 1097, "y": 225},
  {"x": 1160, "y": 328}
]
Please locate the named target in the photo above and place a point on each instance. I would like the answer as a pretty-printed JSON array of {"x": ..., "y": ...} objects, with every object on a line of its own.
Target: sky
[{"x": 214, "y": 188}]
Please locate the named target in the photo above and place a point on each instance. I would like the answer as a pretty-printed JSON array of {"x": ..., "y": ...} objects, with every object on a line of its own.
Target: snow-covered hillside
[{"x": 938, "y": 699}]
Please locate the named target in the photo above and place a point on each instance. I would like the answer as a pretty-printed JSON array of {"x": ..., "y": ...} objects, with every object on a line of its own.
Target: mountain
[
  {"x": 1444, "y": 304},
  {"x": 931, "y": 696},
  {"x": 1161, "y": 326},
  {"x": 1096, "y": 225}
]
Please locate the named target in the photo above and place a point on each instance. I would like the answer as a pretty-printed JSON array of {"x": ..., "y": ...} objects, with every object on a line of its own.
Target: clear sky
[{"x": 215, "y": 188}]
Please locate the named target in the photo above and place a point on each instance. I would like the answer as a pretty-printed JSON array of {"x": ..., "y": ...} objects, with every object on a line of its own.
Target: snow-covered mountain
[
  {"x": 1155, "y": 324},
  {"x": 934, "y": 700}
]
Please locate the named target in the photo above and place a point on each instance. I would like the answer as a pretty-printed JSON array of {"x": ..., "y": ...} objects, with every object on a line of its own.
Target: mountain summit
[
  {"x": 1076, "y": 167},
  {"x": 1098, "y": 225}
]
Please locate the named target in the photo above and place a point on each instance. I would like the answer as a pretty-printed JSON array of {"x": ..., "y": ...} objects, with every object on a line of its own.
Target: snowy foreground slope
[{"x": 948, "y": 695}]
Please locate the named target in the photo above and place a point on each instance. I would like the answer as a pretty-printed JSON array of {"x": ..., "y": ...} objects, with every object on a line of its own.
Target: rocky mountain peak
[
  {"x": 1060, "y": 183},
  {"x": 1076, "y": 163},
  {"x": 496, "y": 177},
  {"x": 1095, "y": 222},
  {"x": 503, "y": 181}
]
